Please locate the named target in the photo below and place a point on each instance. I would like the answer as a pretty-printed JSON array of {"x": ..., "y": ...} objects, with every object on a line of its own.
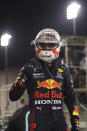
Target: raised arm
[{"x": 19, "y": 85}]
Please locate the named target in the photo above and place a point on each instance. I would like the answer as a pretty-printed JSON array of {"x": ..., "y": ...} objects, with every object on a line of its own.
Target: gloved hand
[
  {"x": 20, "y": 80},
  {"x": 75, "y": 129},
  {"x": 75, "y": 123}
]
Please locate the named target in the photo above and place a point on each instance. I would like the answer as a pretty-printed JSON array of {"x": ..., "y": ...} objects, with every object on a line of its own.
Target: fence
[{"x": 76, "y": 59}]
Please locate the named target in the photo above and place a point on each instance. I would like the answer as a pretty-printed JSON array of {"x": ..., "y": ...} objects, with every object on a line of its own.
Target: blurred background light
[
  {"x": 72, "y": 10},
  {"x": 5, "y": 39}
]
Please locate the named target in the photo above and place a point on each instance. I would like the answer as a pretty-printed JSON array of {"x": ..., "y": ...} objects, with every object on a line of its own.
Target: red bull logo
[
  {"x": 48, "y": 94},
  {"x": 49, "y": 84}
]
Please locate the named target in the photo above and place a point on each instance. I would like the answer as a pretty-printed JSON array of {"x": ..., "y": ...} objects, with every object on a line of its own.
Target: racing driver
[{"x": 48, "y": 82}]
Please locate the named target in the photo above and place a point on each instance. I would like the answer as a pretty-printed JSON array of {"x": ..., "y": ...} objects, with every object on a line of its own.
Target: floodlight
[
  {"x": 72, "y": 10},
  {"x": 5, "y": 39}
]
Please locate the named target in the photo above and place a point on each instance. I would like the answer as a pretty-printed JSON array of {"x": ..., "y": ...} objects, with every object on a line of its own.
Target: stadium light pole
[
  {"x": 72, "y": 13},
  {"x": 5, "y": 38}
]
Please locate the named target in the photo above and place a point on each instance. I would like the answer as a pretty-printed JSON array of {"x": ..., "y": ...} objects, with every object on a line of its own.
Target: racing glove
[
  {"x": 75, "y": 123},
  {"x": 75, "y": 119},
  {"x": 18, "y": 88}
]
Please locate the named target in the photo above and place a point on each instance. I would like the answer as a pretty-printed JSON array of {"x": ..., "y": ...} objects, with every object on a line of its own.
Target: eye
[
  {"x": 53, "y": 45},
  {"x": 41, "y": 45},
  {"x": 47, "y": 45}
]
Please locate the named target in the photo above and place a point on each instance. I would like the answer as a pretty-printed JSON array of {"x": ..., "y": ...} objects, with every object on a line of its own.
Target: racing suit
[{"x": 47, "y": 85}]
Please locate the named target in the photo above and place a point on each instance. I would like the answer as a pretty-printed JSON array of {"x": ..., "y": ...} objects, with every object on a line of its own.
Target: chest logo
[
  {"x": 49, "y": 84},
  {"x": 38, "y": 75},
  {"x": 60, "y": 70}
]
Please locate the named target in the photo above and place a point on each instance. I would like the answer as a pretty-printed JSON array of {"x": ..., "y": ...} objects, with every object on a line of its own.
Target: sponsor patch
[
  {"x": 43, "y": 102},
  {"x": 38, "y": 75},
  {"x": 49, "y": 84},
  {"x": 75, "y": 111},
  {"x": 60, "y": 70},
  {"x": 53, "y": 94}
]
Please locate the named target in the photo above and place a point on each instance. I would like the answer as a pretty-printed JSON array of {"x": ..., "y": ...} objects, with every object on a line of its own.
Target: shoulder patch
[{"x": 60, "y": 70}]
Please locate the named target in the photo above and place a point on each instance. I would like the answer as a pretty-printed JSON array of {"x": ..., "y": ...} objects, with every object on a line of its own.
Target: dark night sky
[{"x": 24, "y": 19}]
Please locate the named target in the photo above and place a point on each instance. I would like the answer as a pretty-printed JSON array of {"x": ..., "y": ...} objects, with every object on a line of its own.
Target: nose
[{"x": 47, "y": 47}]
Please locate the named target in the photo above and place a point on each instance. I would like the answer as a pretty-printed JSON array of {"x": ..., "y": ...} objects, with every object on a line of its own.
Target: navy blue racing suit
[{"x": 47, "y": 86}]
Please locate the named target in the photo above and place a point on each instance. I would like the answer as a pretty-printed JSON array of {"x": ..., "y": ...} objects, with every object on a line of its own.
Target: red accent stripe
[
  {"x": 31, "y": 129},
  {"x": 38, "y": 51},
  {"x": 32, "y": 125},
  {"x": 55, "y": 52}
]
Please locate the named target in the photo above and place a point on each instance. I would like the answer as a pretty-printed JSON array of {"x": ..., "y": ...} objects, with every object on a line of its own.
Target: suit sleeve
[
  {"x": 19, "y": 85},
  {"x": 70, "y": 100}
]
